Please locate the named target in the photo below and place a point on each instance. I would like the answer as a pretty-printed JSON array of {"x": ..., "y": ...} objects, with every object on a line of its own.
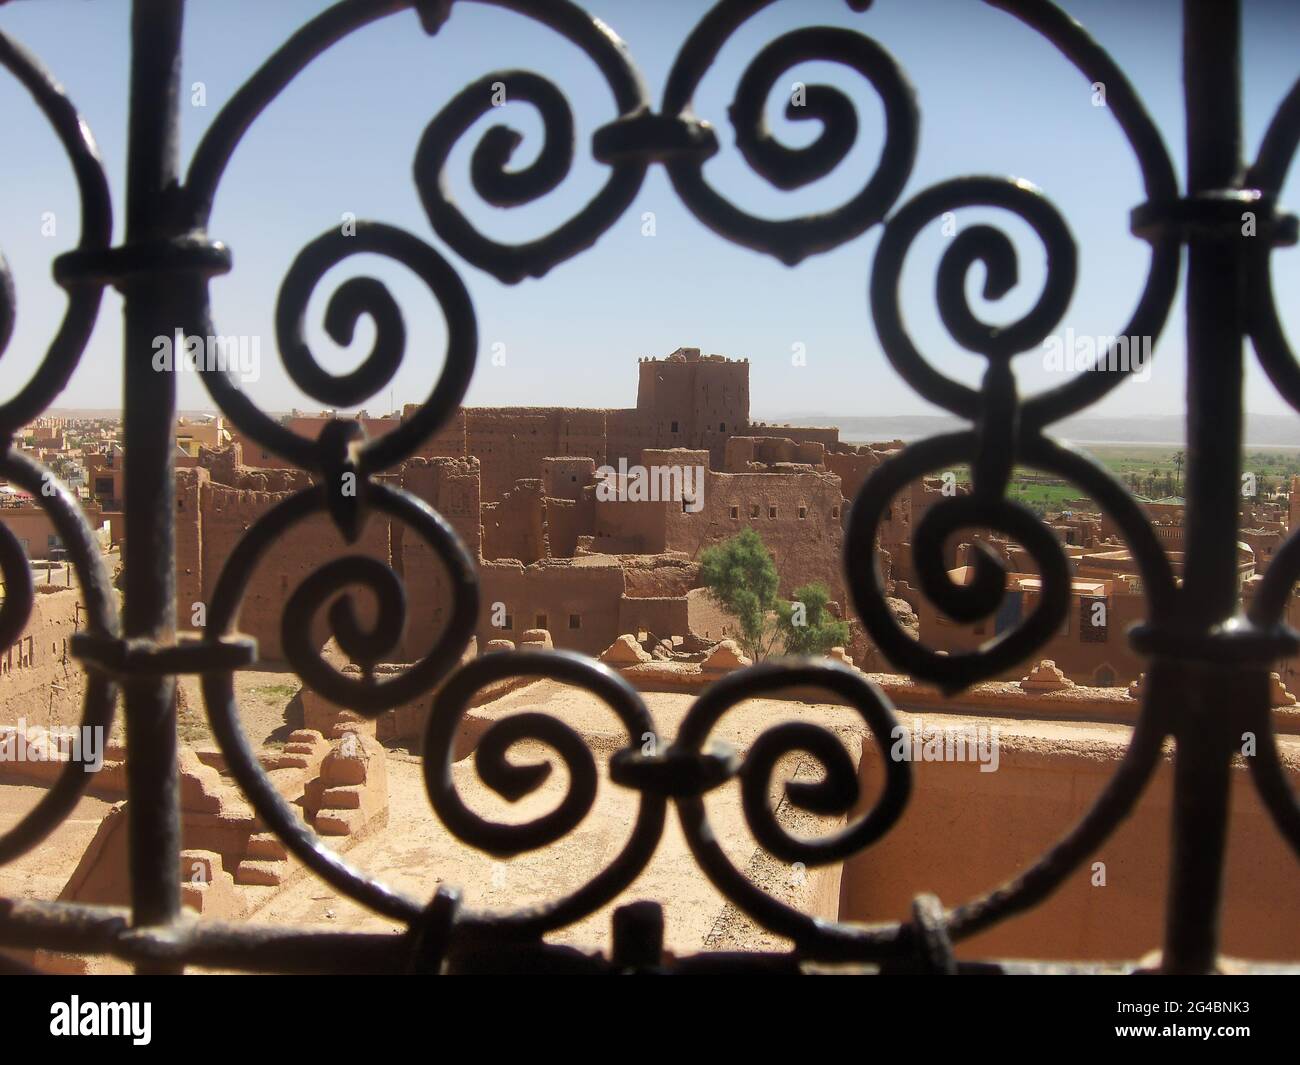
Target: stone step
[
  {"x": 338, "y": 822},
  {"x": 266, "y": 845},
  {"x": 343, "y": 797},
  {"x": 262, "y": 872}
]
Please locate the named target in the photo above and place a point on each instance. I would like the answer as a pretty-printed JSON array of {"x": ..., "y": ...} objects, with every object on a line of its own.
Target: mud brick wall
[
  {"x": 451, "y": 487},
  {"x": 515, "y": 527},
  {"x": 226, "y": 513},
  {"x": 39, "y": 681},
  {"x": 797, "y": 515},
  {"x": 588, "y": 589}
]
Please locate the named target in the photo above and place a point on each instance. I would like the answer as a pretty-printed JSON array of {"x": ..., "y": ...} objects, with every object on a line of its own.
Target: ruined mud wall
[
  {"x": 661, "y": 617},
  {"x": 225, "y": 515},
  {"x": 578, "y": 601},
  {"x": 567, "y": 476},
  {"x": 706, "y": 619},
  {"x": 451, "y": 487},
  {"x": 660, "y": 576},
  {"x": 39, "y": 681},
  {"x": 795, "y": 511},
  {"x": 511, "y": 443},
  {"x": 852, "y": 468},
  {"x": 624, "y": 526},
  {"x": 515, "y": 527},
  {"x": 566, "y": 521},
  {"x": 1086, "y": 653}
]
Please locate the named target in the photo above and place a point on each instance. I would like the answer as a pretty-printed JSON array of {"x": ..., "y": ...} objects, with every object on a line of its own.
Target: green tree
[
  {"x": 806, "y": 626},
  {"x": 742, "y": 579}
]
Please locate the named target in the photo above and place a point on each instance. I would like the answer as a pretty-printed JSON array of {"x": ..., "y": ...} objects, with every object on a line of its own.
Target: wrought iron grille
[{"x": 1207, "y": 680}]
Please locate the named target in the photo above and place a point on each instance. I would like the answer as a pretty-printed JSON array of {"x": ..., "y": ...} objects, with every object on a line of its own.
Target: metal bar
[
  {"x": 149, "y": 413},
  {"x": 1208, "y": 680},
  {"x": 1215, "y": 327},
  {"x": 1215, "y": 322},
  {"x": 104, "y": 930}
]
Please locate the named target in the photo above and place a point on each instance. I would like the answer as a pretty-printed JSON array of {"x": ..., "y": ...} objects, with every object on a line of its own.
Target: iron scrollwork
[
  {"x": 40, "y": 483},
  {"x": 1007, "y": 430}
]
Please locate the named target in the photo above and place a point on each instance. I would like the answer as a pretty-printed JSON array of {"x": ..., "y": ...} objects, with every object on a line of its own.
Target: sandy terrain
[
  {"x": 416, "y": 853},
  {"x": 268, "y": 707}
]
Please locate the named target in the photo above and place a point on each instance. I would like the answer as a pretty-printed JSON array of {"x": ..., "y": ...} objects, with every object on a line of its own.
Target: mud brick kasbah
[
  {"x": 520, "y": 487},
  {"x": 571, "y": 556}
]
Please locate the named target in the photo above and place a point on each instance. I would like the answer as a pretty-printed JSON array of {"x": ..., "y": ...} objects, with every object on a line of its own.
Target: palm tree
[{"x": 1178, "y": 468}]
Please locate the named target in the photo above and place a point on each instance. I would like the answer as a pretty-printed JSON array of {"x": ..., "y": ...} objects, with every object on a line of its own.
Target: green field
[
  {"x": 1147, "y": 470},
  {"x": 1039, "y": 497},
  {"x": 1122, "y": 459}
]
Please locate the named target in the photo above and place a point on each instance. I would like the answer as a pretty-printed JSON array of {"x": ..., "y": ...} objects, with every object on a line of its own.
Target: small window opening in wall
[
  {"x": 509, "y": 622},
  {"x": 541, "y": 622},
  {"x": 771, "y": 512},
  {"x": 575, "y": 621},
  {"x": 803, "y": 513},
  {"x": 674, "y": 427},
  {"x": 735, "y": 513},
  {"x": 835, "y": 512},
  {"x": 722, "y": 427}
]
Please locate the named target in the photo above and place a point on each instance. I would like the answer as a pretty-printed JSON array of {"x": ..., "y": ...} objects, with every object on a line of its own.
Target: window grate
[{"x": 1208, "y": 672}]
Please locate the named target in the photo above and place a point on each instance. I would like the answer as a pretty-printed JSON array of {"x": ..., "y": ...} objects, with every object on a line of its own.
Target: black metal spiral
[
  {"x": 101, "y": 623},
  {"x": 514, "y": 781},
  {"x": 96, "y": 230},
  {"x": 28, "y": 402},
  {"x": 1007, "y": 429},
  {"x": 793, "y": 240},
  {"x": 835, "y": 793}
]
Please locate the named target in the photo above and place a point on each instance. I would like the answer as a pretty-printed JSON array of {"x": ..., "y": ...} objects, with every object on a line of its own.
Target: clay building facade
[
  {"x": 520, "y": 486},
  {"x": 685, "y": 399},
  {"x": 1091, "y": 647},
  {"x": 36, "y": 534},
  {"x": 212, "y": 516},
  {"x": 540, "y": 498},
  {"x": 40, "y": 682},
  {"x": 105, "y": 476}
]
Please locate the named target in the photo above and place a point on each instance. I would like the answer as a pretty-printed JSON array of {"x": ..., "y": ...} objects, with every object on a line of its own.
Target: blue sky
[{"x": 994, "y": 98}]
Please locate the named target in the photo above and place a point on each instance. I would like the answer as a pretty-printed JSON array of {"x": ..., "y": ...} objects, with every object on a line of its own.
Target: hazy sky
[{"x": 995, "y": 99}]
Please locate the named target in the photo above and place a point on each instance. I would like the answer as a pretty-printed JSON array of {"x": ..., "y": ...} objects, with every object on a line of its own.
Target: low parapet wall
[
  {"x": 994, "y": 699},
  {"x": 972, "y": 825},
  {"x": 964, "y": 832},
  {"x": 403, "y": 725}
]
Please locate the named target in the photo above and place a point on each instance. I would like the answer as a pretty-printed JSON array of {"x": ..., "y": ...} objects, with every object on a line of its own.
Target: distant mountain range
[{"x": 1262, "y": 430}]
